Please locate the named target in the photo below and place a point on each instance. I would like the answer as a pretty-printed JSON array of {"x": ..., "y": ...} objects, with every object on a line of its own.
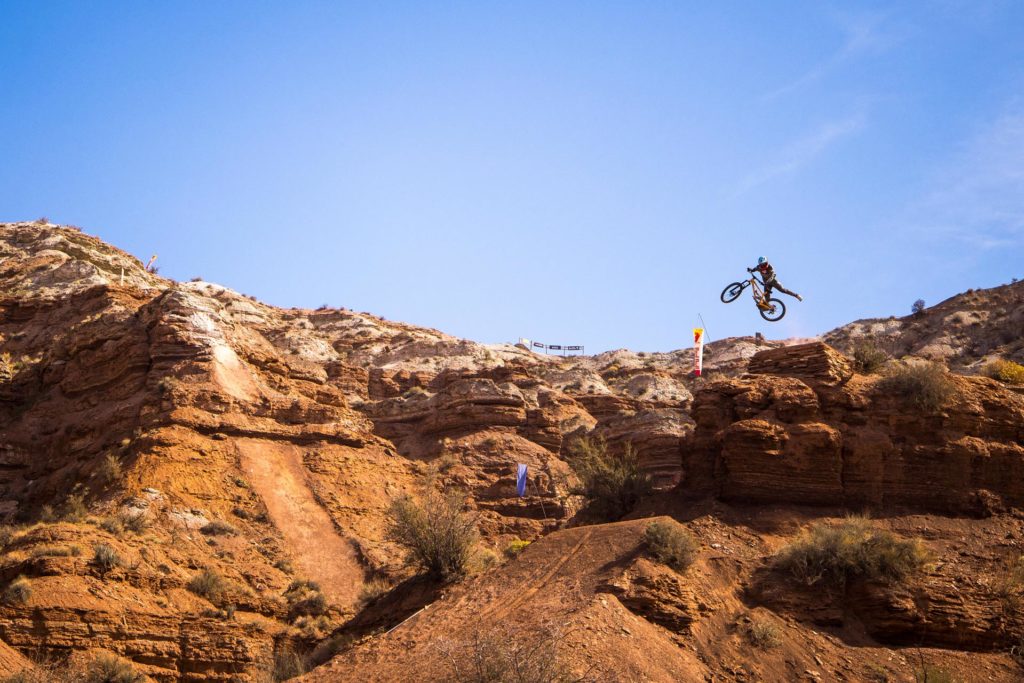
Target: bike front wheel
[
  {"x": 732, "y": 291},
  {"x": 776, "y": 310}
]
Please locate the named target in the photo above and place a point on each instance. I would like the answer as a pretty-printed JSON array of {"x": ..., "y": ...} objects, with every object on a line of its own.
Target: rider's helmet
[{"x": 761, "y": 260}]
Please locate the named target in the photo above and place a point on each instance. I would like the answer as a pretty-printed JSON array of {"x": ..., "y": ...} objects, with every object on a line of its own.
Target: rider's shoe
[{"x": 799, "y": 298}]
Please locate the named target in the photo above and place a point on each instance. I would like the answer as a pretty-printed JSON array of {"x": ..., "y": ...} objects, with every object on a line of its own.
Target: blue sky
[{"x": 575, "y": 172}]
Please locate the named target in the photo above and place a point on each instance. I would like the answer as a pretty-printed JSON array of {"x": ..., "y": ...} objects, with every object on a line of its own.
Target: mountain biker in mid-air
[{"x": 768, "y": 275}]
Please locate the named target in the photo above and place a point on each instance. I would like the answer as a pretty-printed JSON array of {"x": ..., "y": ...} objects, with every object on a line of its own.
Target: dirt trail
[{"x": 276, "y": 473}]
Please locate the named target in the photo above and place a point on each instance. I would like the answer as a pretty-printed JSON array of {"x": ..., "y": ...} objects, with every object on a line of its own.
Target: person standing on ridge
[{"x": 768, "y": 275}]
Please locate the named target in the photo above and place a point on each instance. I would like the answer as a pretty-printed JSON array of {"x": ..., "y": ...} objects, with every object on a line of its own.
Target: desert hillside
[{"x": 199, "y": 487}]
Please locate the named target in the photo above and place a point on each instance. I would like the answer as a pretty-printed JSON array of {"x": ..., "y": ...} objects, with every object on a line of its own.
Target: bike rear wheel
[
  {"x": 775, "y": 313},
  {"x": 732, "y": 291}
]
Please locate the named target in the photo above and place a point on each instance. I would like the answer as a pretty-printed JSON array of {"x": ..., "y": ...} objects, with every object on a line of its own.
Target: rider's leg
[{"x": 782, "y": 289}]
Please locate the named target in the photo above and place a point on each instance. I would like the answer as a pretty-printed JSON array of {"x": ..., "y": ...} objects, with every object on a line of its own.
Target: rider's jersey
[{"x": 766, "y": 270}]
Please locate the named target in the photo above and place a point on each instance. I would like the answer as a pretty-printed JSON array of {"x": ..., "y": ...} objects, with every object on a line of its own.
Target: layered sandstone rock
[{"x": 813, "y": 435}]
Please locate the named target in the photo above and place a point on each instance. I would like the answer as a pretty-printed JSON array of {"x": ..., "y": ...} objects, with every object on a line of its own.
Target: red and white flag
[{"x": 698, "y": 350}]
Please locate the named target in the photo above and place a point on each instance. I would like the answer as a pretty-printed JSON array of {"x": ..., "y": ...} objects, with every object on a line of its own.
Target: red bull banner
[{"x": 698, "y": 350}]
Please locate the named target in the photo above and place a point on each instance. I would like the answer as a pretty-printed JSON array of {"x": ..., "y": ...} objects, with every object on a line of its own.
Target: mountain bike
[{"x": 771, "y": 310}]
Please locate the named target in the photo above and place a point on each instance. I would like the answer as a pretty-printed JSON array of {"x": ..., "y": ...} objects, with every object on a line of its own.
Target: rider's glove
[{"x": 750, "y": 270}]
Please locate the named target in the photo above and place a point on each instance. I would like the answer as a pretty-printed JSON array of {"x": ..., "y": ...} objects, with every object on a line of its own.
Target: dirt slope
[{"x": 277, "y": 475}]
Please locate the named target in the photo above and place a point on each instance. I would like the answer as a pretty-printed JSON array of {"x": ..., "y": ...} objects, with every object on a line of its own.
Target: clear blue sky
[{"x": 573, "y": 172}]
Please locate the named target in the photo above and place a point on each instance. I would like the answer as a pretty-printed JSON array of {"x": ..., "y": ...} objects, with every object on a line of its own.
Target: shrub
[
  {"x": 113, "y": 526},
  {"x": 501, "y": 654},
  {"x": 436, "y": 534},
  {"x": 1005, "y": 371},
  {"x": 18, "y": 591},
  {"x": 6, "y": 535},
  {"x": 305, "y": 599},
  {"x": 288, "y": 665},
  {"x": 867, "y": 357},
  {"x": 764, "y": 635},
  {"x": 918, "y": 307},
  {"x": 851, "y": 549},
  {"x": 54, "y": 551},
  {"x": 670, "y": 543},
  {"x": 934, "y": 674},
  {"x": 109, "y": 470},
  {"x": 612, "y": 483},
  {"x": 208, "y": 584},
  {"x": 327, "y": 649},
  {"x": 107, "y": 668},
  {"x": 515, "y": 547},
  {"x": 926, "y": 386},
  {"x": 74, "y": 509},
  {"x": 373, "y": 589},
  {"x": 219, "y": 528},
  {"x": 105, "y": 557},
  {"x": 136, "y": 522}
]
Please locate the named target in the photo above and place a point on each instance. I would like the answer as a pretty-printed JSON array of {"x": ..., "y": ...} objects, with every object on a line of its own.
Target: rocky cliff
[{"x": 179, "y": 463}]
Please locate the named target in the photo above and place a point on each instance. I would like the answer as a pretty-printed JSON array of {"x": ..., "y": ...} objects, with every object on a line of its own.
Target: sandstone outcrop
[{"x": 804, "y": 432}]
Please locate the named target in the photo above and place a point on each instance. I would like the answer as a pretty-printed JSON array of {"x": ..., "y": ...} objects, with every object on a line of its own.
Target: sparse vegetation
[
  {"x": 104, "y": 668},
  {"x": 1005, "y": 371},
  {"x": 328, "y": 649},
  {"x": 109, "y": 470},
  {"x": 764, "y": 635},
  {"x": 209, "y": 584},
  {"x": 107, "y": 668},
  {"x": 501, "y": 655},
  {"x": 918, "y": 307},
  {"x": 287, "y": 665},
  {"x": 515, "y": 547},
  {"x": 835, "y": 554},
  {"x": 435, "y": 532},
  {"x": 612, "y": 483},
  {"x": 56, "y": 551},
  {"x": 924, "y": 385},
  {"x": 18, "y": 591},
  {"x": 868, "y": 358},
  {"x": 105, "y": 557},
  {"x": 219, "y": 528},
  {"x": 373, "y": 589},
  {"x": 305, "y": 599},
  {"x": 670, "y": 543},
  {"x": 74, "y": 508}
]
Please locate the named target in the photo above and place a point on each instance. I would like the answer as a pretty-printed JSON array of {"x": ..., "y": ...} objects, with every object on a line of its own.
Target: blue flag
[{"x": 521, "y": 479}]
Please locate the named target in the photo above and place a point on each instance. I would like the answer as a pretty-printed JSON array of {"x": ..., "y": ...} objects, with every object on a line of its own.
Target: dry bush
[
  {"x": 56, "y": 551},
  {"x": 670, "y": 543},
  {"x": 515, "y": 547},
  {"x": 110, "y": 669},
  {"x": 74, "y": 508},
  {"x": 926, "y": 386},
  {"x": 373, "y": 589},
  {"x": 612, "y": 483},
  {"x": 764, "y": 635},
  {"x": 305, "y": 599},
  {"x": 288, "y": 665},
  {"x": 502, "y": 655},
  {"x": 1005, "y": 371},
  {"x": 136, "y": 522},
  {"x": 109, "y": 470},
  {"x": 851, "y": 549},
  {"x": 105, "y": 557},
  {"x": 435, "y": 532},
  {"x": 868, "y": 358},
  {"x": 18, "y": 591},
  {"x": 219, "y": 528},
  {"x": 329, "y": 648},
  {"x": 209, "y": 584}
]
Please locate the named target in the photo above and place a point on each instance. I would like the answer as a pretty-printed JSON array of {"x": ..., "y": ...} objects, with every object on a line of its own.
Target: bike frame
[{"x": 755, "y": 289}]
